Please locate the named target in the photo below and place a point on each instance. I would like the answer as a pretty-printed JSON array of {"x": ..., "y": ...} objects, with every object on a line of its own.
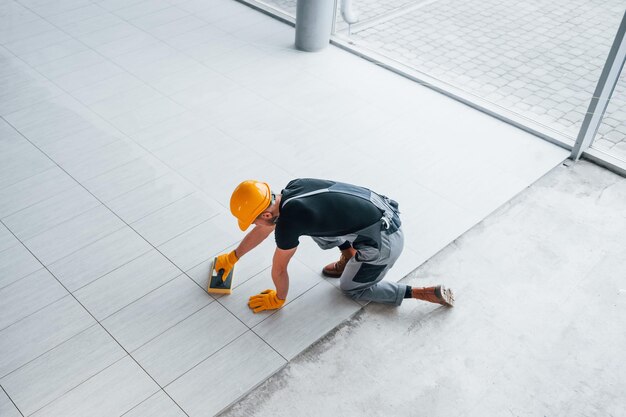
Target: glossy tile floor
[{"x": 124, "y": 127}]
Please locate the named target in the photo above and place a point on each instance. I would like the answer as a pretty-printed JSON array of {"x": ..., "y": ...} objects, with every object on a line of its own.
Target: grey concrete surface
[
  {"x": 538, "y": 329},
  {"x": 539, "y": 59}
]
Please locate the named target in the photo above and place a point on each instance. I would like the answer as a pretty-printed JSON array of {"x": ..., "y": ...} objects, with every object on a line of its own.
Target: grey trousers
[{"x": 363, "y": 281}]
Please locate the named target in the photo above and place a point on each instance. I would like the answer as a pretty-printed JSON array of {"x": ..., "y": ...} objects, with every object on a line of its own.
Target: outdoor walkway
[
  {"x": 124, "y": 127},
  {"x": 541, "y": 60}
]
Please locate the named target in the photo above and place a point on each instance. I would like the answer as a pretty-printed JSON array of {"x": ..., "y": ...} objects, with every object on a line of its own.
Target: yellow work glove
[
  {"x": 267, "y": 300},
  {"x": 226, "y": 262}
]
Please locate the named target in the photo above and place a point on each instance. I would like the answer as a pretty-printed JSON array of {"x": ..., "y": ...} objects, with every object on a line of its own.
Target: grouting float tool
[{"x": 217, "y": 283}]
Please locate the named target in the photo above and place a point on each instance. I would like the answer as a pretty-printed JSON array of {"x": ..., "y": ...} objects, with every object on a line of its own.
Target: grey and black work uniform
[{"x": 341, "y": 215}]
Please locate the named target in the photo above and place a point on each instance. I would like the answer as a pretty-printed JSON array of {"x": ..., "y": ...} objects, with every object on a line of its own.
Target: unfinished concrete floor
[{"x": 538, "y": 329}]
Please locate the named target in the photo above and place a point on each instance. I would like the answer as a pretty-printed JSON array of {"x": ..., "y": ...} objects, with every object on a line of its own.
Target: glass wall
[{"x": 538, "y": 61}]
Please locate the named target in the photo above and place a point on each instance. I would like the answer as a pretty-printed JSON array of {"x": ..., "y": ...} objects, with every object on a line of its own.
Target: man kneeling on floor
[{"x": 364, "y": 225}]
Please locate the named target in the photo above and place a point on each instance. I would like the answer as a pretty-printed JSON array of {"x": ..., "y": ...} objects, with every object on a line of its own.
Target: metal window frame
[{"x": 602, "y": 95}]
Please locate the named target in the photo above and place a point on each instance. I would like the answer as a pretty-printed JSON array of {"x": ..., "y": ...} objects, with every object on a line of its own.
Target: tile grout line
[
  {"x": 103, "y": 328},
  {"x": 149, "y": 242},
  {"x": 82, "y": 382},
  {"x": 49, "y": 350},
  {"x": 73, "y": 294},
  {"x": 11, "y": 399},
  {"x": 165, "y": 95},
  {"x": 169, "y": 328},
  {"x": 223, "y": 348}
]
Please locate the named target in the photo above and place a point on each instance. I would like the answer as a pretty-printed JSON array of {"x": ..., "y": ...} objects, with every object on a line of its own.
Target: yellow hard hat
[{"x": 249, "y": 199}]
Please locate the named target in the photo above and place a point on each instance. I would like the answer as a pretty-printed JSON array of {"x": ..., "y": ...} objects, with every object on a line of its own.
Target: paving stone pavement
[{"x": 539, "y": 59}]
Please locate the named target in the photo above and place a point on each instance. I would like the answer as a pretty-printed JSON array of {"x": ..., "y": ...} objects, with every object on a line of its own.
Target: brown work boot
[
  {"x": 439, "y": 294},
  {"x": 335, "y": 269}
]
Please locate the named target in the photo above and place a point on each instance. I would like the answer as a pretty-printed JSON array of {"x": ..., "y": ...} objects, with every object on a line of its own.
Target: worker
[{"x": 364, "y": 225}]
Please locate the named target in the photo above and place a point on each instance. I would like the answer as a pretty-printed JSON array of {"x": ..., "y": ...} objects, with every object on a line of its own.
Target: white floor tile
[
  {"x": 176, "y": 218},
  {"x": 151, "y": 315},
  {"x": 195, "y": 146},
  {"x": 7, "y": 409},
  {"x": 70, "y": 63},
  {"x": 216, "y": 101},
  {"x": 28, "y": 295},
  {"x": 54, "y": 119},
  {"x": 22, "y": 26},
  {"x": 106, "y": 88},
  {"x": 113, "y": 391},
  {"x": 230, "y": 374},
  {"x": 141, "y": 9},
  {"x": 126, "y": 101},
  {"x": 23, "y": 95},
  {"x": 165, "y": 67},
  {"x": 76, "y": 145},
  {"x": 182, "y": 347},
  {"x": 109, "y": 34},
  {"x": 202, "y": 242},
  {"x": 134, "y": 60},
  {"x": 237, "y": 58},
  {"x": 214, "y": 12},
  {"x": 48, "y": 213},
  {"x": 145, "y": 116},
  {"x": 61, "y": 369},
  {"x": 208, "y": 173},
  {"x": 99, "y": 258},
  {"x": 35, "y": 42},
  {"x": 88, "y": 11},
  {"x": 17, "y": 166},
  {"x": 292, "y": 329},
  {"x": 159, "y": 405},
  {"x": 7, "y": 240},
  {"x": 86, "y": 165},
  {"x": 301, "y": 279},
  {"x": 117, "y": 4},
  {"x": 407, "y": 263},
  {"x": 184, "y": 79},
  {"x": 126, "y": 284},
  {"x": 16, "y": 262},
  {"x": 151, "y": 197},
  {"x": 40, "y": 332},
  {"x": 126, "y": 178},
  {"x": 241, "y": 20},
  {"x": 161, "y": 17},
  {"x": 10, "y": 138},
  {"x": 73, "y": 235},
  {"x": 441, "y": 221},
  {"x": 249, "y": 265},
  {"x": 313, "y": 257},
  {"x": 177, "y": 27},
  {"x": 169, "y": 131},
  {"x": 33, "y": 190},
  {"x": 130, "y": 42},
  {"x": 47, "y": 9},
  {"x": 86, "y": 76},
  {"x": 202, "y": 35},
  {"x": 92, "y": 24}
]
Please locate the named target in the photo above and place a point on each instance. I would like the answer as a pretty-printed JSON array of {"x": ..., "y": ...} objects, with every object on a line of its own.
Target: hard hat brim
[{"x": 243, "y": 225}]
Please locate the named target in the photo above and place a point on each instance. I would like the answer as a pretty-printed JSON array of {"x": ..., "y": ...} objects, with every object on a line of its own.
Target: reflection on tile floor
[{"x": 124, "y": 127}]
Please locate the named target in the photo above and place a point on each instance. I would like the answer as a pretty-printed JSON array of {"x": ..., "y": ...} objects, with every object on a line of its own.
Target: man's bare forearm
[
  {"x": 281, "y": 281},
  {"x": 253, "y": 239}
]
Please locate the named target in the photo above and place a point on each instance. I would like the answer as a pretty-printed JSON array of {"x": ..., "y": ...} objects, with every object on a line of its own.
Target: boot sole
[
  {"x": 326, "y": 274},
  {"x": 447, "y": 296}
]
